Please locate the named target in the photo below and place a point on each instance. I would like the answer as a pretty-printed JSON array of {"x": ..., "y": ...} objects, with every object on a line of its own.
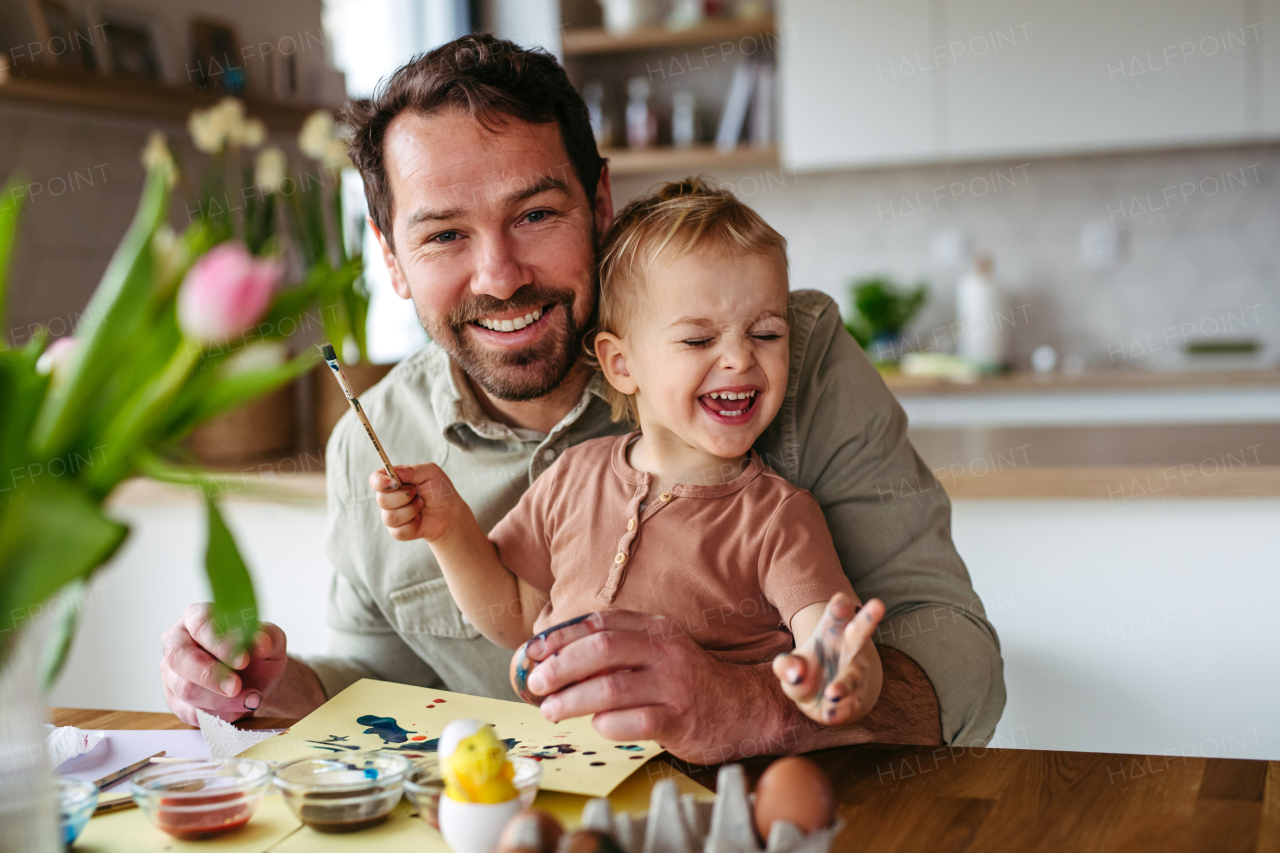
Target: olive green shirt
[{"x": 840, "y": 434}]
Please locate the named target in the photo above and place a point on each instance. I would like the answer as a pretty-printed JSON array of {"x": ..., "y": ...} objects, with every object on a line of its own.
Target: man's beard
[{"x": 518, "y": 375}]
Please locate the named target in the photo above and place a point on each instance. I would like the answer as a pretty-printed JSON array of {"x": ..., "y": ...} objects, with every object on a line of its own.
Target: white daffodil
[
  {"x": 335, "y": 155},
  {"x": 270, "y": 168},
  {"x": 208, "y": 130},
  {"x": 255, "y": 133},
  {"x": 156, "y": 156},
  {"x": 316, "y": 134}
]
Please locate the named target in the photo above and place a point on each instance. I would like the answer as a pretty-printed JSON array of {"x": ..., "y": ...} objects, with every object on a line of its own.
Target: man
[{"x": 489, "y": 198}]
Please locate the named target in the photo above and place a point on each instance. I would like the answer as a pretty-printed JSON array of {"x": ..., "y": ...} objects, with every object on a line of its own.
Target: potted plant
[
  {"x": 239, "y": 200},
  {"x": 882, "y": 310},
  {"x": 159, "y": 352},
  {"x": 335, "y": 271}
]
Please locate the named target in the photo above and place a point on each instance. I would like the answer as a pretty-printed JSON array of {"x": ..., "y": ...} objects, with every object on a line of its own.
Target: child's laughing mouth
[{"x": 731, "y": 406}]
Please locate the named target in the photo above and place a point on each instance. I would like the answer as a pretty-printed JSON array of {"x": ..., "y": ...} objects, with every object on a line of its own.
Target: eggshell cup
[
  {"x": 424, "y": 786},
  {"x": 475, "y": 827}
]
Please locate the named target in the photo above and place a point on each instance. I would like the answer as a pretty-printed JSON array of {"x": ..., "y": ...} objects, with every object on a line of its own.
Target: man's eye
[
  {"x": 537, "y": 215},
  {"x": 445, "y": 237},
  {"x": 697, "y": 343}
]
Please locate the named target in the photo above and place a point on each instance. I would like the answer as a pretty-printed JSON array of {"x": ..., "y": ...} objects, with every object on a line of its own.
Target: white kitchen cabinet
[
  {"x": 1095, "y": 74},
  {"x": 1269, "y": 90},
  {"x": 857, "y": 82},
  {"x": 876, "y": 83}
]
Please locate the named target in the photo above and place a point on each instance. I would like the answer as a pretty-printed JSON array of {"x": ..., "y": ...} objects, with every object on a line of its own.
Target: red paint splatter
[{"x": 418, "y": 737}]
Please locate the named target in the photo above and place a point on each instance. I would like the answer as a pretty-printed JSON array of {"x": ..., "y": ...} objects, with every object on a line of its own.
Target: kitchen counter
[
  {"x": 1020, "y": 382},
  {"x": 1107, "y": 462}
]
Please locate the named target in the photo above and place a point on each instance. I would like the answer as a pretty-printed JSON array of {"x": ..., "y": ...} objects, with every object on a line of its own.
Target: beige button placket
[{"x": 635, "y": 519}]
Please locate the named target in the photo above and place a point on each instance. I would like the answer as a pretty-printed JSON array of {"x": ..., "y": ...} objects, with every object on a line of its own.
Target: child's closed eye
[{"x": 697, "y": 343}]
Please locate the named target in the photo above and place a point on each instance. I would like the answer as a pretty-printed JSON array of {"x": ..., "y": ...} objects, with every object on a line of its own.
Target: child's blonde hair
[{"x": 669, "y": 223}]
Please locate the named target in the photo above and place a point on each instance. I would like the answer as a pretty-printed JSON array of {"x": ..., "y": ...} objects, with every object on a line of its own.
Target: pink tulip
[{"x": 225, "y": 293}]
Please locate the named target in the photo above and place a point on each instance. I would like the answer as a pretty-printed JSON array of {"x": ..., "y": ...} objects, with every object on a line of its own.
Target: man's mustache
[{"x": 525, "y": 299}]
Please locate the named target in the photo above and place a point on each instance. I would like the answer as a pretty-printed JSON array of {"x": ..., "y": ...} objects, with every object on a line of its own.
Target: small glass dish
[
  {"x": 344, "y": 793},
  {"x": 424, "y": 785},
  {"x": 201, "y": 797},
  {"x": 77, "y": 800}
]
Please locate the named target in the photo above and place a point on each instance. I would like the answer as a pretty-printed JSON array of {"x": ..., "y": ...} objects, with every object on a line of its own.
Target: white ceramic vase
[
  {"x": 28, "y": 814},
  {"x": 474, "y": 827}
]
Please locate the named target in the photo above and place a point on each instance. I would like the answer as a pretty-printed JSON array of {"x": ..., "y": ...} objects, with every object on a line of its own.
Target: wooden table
[{"x": 976, "y": 799}]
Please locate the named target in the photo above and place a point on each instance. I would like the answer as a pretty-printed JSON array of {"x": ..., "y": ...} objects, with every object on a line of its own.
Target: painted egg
[
  {"x": 521, "y": 666},
  {"x": 532, "y": 830},
  {"x": 796, "y": 790},
  {"x": 590, "y": 841}
]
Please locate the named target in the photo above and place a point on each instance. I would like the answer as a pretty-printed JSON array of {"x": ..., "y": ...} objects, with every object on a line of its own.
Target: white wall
[
  {"x": 1127, "y": 626},
  {"x": 116, "y": 654},
  {"x": 1132, "y": 626}
]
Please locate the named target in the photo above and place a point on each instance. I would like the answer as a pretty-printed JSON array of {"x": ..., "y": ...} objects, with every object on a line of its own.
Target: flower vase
[{"x": 28, "y": 813}]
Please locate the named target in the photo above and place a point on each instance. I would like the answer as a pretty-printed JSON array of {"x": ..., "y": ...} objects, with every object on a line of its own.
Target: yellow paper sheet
[
  {"x": 575, "y": 758},
  {"x": 130, "y": 831}
]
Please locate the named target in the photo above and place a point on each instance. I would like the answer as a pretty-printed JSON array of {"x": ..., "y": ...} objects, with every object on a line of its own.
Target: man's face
[{"x": 495, "y": 245}]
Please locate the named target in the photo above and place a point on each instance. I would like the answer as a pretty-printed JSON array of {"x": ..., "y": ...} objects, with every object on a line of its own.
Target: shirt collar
[{"x": 459, "y": 413}]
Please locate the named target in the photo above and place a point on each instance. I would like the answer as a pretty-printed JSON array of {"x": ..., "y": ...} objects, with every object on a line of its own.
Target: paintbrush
[
  {"x": 332, "y": 358},
  {"x": 112, "y": 778}
]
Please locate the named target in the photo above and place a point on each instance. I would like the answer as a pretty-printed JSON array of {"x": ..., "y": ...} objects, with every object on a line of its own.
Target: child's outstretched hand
[
  {"x": 423, "y": 507},
  {"x": 835, "y": 676}
]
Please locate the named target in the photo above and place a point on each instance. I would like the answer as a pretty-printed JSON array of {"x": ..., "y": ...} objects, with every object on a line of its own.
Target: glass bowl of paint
[
  {"x": 424, "y": 785},
  {"x": 77, "y": 800},
  {"x": 342, "y": 793},
  {"x": 201, "y": 798}
]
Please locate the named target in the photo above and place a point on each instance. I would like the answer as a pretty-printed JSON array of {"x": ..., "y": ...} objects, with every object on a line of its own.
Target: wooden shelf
[
  {"x": 583, "y": 41},
  {"x": 664, "y": 161},
  {"x": 1120, "y": 380},
  {"x": 133, "y": 97}
]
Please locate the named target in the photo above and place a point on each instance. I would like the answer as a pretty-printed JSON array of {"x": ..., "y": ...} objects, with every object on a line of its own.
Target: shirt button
[
  {"x": 619, "y": 557},
  {"x": 631, "y": 524},
  {"x": 664, "y": 497},
  {"x": 549, "y": 454}
]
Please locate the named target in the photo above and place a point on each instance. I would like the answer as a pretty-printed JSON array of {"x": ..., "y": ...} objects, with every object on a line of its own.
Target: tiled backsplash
[
  {"x": 1199, "y": 258},
  {"x": 1199, "y": 251}
]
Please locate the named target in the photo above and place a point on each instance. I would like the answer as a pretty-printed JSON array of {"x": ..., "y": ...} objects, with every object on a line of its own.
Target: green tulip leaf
[
  {"x": 235, "y": 609},
  {"x": 51, "y": 533}
]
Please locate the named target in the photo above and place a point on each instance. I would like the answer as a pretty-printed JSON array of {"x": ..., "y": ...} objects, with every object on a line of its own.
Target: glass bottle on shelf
[
  {"x": 642, "y": 122},
  {"x": 601, "y": 126},
  {"x": 684, "y": 119}
]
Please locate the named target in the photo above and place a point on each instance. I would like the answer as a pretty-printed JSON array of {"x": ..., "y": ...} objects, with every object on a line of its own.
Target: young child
[{"x": 680, "y": 518}]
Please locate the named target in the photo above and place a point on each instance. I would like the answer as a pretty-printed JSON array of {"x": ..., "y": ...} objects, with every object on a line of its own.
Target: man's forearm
[{"x": 298, "y": 693}]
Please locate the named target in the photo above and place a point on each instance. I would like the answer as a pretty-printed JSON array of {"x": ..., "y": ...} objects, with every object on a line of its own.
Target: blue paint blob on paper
[{"x": 385, "y": 728}]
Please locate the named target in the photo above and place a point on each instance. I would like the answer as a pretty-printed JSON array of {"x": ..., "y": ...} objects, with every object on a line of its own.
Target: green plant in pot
[
  {"x": 882, "y": 309},
  {"x": 236, "y": 198},
  {"x": 335, "y": 274},
  {"x": 156, "y": 355}
]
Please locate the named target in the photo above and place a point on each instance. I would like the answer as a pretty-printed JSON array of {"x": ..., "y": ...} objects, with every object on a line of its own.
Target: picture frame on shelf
[
  {"x": 64, "y": 43},
  {"x": 215, "y": 57},
  {"x": 133, "y": 45}
]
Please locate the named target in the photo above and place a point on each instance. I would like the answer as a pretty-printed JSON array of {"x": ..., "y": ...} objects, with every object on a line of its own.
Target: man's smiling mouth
[{"x": 511, "y": 324}]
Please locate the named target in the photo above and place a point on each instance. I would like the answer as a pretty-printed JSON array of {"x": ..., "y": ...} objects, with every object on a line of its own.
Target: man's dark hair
[{"x": 492, "y": 79}]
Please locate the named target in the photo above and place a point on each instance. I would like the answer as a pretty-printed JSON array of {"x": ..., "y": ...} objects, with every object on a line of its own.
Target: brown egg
[
  {"x": 530, "y": 831},
  {"x": 590, "y": 841},
  {"x": 796, "y": 790}
]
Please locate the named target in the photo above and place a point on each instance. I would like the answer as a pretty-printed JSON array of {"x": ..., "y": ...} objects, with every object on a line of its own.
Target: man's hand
[
  {"x": 834, "y": 676},
  {"x": 425, "y": 505},
  {"x": 643, "y": 678},
  {"x": 197, "y": 669}
]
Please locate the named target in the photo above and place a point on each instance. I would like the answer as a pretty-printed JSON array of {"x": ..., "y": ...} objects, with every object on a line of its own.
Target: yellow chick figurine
[{"x": 474, "y": 764}]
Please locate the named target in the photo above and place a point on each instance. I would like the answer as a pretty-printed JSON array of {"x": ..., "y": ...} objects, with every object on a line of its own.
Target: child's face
[{"x": 712, "y": 323}]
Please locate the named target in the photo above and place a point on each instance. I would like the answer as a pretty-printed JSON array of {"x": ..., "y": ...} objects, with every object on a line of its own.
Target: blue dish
[{"x": 77, "y": 800}]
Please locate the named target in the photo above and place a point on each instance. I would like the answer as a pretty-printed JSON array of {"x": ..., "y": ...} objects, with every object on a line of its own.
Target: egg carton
[{"x": 678, "y": 823}]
